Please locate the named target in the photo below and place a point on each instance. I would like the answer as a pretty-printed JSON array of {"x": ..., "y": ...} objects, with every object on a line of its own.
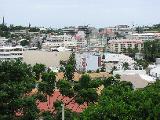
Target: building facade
[
  {"x": 11, "y": 53},
  {"x": 120, "y": 45}
]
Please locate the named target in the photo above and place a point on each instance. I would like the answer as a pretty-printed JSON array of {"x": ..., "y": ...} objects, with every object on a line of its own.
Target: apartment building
[
  {"x": 53, "y": 41},
  {"x": 120, "y": 45},
  {"x": 3, "y": 41},
  {"x": 10, "y": 53},
  {"x": 142, "y": 36}
]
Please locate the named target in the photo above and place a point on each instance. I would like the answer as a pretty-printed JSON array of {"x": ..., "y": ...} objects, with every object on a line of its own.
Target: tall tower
[{"x": 3, "y": 21}]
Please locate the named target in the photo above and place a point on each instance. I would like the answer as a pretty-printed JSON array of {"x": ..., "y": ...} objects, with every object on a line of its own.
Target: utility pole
[{"x": 62, "y": 111}]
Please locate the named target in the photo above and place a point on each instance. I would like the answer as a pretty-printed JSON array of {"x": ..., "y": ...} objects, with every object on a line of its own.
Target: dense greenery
[
  {"x": 70, "y": 67},
  {"x": 151, "y": 50},
  {"x": 16, "y": 80},
  {"x": 120, "y": 102}
]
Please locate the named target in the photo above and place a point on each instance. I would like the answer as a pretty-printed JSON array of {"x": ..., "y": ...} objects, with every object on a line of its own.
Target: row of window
[
  {"x": 10, "y": 54},
  {"x": 4, "y": 50}
]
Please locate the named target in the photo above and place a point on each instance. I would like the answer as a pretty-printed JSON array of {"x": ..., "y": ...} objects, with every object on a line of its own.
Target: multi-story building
[
  {"x": 3, "y": 41},
  {"x": 59, "y": 41},
  {"x": 142, "y": 36},
  {"x": 10, "y": 53},
  {"x": 120, "y": 45}
]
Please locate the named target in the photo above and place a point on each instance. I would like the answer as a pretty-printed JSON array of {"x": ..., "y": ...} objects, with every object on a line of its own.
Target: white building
[
  {"x": 119, "y": 45},
  {"x": 87, "y": 61},
  {"x": 117, "y": 60},
  {"x": 81, "y": 40},
  {"x": 91, "y": 61},
  {"x": 59, "y": 41},
  {"x": 9, "y": 53},
  {"x": 143, "y": 36},
  {"x": 3, "y": 41}
]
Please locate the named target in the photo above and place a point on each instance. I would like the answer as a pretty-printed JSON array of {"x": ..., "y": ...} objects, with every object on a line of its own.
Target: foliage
[
  {"x": 24, "y": 43},
  {"x": 4, "y": 31},
  {"x": 151, "y": 50},
  {"x": 48, "y": 82},
  {"x": 125, "y": 66},
  {"x": 72, "y": 60},
  {"x": 65, "y": 88},
  {"x": 109, "y": 81},
  {"x": 119, "y": 101},
  {"x": 117, "y": 76},
  {"x": 47, "y": 116},
  {"x": 97, "y": 71},
  {"x": 34, "y": 29},
  {"x": 89, "y": 95},
  {"x": 89, "y": 71},
  {"x": 69, "y": 72},
  {"x": 95, "y": 83},
  {"x": 142, "y": 63},
  {"x": 61, "y": 69},
  {"x": 39, "y": 45},
  {"x": 16, "y": 81},
  {"x": 70, "y": 67},
  {"x": 38, "y": 69},
  {"x": 69, "y": 115},
  {"x": 57, "y": 105},
  {"x": 84, "y": 81}
]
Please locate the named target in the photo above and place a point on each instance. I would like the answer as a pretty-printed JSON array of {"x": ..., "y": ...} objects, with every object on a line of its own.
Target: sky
[{"x": 98, "y": 13}]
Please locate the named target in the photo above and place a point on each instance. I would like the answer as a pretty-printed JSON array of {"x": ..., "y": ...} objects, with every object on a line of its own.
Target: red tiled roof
[{"x": 69, "y": 103}]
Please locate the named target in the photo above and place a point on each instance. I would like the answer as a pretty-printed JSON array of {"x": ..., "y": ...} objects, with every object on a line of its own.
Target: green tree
[
  {"x": 47, "y": 116},
  {"x": 125, "y": 66},
  {"x": 69, "y": 72},
  {"x": 84, "y": 81},
  {"x": 151, "y": 50},
  {"x": 89, "y": 95},
  {"x": 39, "y": 45},
  {"x": 65, "y": 88},
  {"x": 38, "y": 69},
  {"x": 24, "y": 43},
  {"x": 117, "y": 76},
  {"x": 109, "y": 81},
  {"x": 16, "y": 81}
]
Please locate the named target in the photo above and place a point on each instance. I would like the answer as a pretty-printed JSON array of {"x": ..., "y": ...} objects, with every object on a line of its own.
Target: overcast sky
[{"x": 99, "y": 13}]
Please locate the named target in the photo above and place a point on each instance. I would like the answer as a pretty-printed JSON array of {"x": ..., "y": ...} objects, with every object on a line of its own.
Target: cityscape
[{"x": 79, "y": 72}]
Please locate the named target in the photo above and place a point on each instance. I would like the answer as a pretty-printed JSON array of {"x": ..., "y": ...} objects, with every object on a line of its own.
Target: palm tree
[{"x": 125, "y": 66}]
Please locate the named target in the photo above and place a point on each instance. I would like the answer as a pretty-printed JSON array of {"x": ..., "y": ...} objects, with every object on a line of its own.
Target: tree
[
  {"x": 65, "y": 88},
  {"x": 95, "y": 83},
  {"x": 24, "y": 43},
  {"x": 39, "y": 45},
  {"x": 72, "y": 61},
  {"x": 120, "y": 102},
  {"x": 89, "y": 95},
  {"x": 117, "y": 76},
  {"x": 58, "y": 104},
  {"x": 38, "y": 69},
  {"x": 109, "y": 81},
  {"x": 125, "y": 66},
  {"x": 47, "y": 85},
  {"x": 142, "y": 63},
  {"x": 70, "y": 67},
  {"x": 48, "y": 81},
  {"x": 69, "y": 72},
  {"x": 151, "y": 50},
  {"x": 84, "y": 81},
  {"x": 16, "y": 82},
  {"x": 47, "y": 116}
]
